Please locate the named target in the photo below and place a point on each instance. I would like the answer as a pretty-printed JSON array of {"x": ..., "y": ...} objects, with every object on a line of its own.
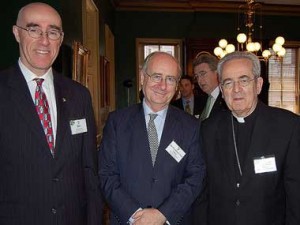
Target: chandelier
[{"x": 246, "y": 35}]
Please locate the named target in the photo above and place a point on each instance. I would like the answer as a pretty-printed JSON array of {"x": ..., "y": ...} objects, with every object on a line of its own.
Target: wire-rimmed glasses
[{"x": 36, "y": 33}]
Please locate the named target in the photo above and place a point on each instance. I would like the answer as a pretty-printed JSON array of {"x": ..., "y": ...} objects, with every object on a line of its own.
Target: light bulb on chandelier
[{"x": 245, "y": 40}]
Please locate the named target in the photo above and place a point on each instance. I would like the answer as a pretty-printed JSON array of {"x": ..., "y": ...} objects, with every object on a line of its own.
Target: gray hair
[
  {"x": 240, "y": 55},
  {"x": 206, "y": 57}
]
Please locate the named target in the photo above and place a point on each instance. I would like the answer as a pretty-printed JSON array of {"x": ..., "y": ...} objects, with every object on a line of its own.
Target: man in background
[
  {"x": 205, "y": 71},
  {"x": 151, "y": 165},
  {"x": 252, "y": 152},
  {"x": 188, "y": 101},
  {"x": 48, "y": 157}
]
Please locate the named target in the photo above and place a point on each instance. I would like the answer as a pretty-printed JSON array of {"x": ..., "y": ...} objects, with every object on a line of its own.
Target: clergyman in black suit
[
  {"x": 252, "y": 152},
  {"x": 205, "y": 71},
  {"x": 48, "y": 157},
  {"x": 189, "y": 102}
]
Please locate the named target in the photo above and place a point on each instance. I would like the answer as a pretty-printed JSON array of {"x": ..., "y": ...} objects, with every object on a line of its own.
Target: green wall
[
  {"x": 131, "y": 25},
  {"x": 127, "y": 26}
]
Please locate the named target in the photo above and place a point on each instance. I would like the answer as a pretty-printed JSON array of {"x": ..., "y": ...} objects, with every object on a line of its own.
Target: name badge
[
  {"x": 78, "y": 126},
  {"x": 175, "y": 151},
  {"x": 265, "y": 164}
]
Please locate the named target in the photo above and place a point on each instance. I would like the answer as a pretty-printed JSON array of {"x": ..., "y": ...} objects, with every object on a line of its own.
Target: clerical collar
[
  {"x": 246, "y": 118},
  {"x": 239, "y": 119}
]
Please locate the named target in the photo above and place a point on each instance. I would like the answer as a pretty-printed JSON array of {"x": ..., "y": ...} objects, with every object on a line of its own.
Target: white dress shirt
[{"x": 48, "y": 88}]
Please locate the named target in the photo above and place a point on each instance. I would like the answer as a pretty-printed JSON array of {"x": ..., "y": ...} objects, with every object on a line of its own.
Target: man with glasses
[
  {"x": 151, "y": 166},
  {"x": 48, "y": 156},
  {"x": 205, "y": 72},
  {"x": 252, "y": 152}
]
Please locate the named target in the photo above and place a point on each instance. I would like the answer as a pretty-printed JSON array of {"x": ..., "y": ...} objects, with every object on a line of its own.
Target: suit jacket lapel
[
  {"x": 22, "y": 100},
  {"x": 138, "y": 126},
  {"x": 62, "y": 98},
  {"x": 167, "y": 137}
]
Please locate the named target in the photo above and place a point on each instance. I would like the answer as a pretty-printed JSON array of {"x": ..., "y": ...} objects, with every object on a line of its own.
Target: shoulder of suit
[
  {"x": 67, "y": 82},
  {"x": 180, "y": 115},
  {"x": 176, "y": 102},
  {"x": 128, "y": 111},
  {"x": 217, "y": 118},
  {"x": 6, "y": 73},
  {"x": 278, "y": 113}
]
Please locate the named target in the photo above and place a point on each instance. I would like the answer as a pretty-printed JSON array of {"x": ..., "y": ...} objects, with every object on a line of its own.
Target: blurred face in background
[
  {"x": 38, "y": 53},
  {"x": 186, "y": 88},
  {"x": 159, "y": 80},
  {"x": 206, "y": 78}
]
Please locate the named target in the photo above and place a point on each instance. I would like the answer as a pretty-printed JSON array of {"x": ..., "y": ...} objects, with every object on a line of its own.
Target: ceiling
[{"x": 277, "y": 7}]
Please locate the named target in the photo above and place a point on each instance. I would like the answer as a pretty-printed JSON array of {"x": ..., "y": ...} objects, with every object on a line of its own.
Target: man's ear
[
  {"x": 220, "y": 87},
  {"x": 259, "y": 84},
  {"x": 142, "y": 77},
  {"x": 62, "y": 38},
  {"x": 15, "y": 31}
]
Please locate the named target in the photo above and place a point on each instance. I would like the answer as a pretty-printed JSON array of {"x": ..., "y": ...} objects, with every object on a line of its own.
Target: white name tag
[
  {"x": 265, "y": 164},
  {"x": 175, "y": 151},
  {"x": 78, "y": 126}
]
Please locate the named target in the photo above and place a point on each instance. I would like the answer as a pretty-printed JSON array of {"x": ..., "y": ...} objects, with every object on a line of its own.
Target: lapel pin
[{"x": 64, "y": 99}]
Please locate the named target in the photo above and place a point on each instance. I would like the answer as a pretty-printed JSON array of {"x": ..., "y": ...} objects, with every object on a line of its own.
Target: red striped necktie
[{"x": 42, "y": 108}]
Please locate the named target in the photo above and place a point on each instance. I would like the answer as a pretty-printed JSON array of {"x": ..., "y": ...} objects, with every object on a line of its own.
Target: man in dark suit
[
  {"x": 252, "y": 152},
  {"x": 205, "y": 71},
  {"x": 48, "y": 157},
  {"x": 151, "y": 170},
  {"x": 188, "y": 101}
]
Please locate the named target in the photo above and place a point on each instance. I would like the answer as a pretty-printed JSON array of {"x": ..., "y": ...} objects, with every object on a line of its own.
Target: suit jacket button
[
  {"x": 53, "y": 210},
  {"x": 154, "y": 180},
  {"x": 237, "y": 202}
]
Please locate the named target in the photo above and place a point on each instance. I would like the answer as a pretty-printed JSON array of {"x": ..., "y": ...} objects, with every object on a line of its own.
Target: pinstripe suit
[{"x": 36, "y": 189}]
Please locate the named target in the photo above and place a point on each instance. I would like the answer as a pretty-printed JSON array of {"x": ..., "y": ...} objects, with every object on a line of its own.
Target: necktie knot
[
  {"x": 152, "y": 116},
  {"x": 39, "y": 81}
]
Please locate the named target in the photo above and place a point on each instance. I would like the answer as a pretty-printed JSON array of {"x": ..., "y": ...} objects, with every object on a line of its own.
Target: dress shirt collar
[
  {"x": 29, "y": 76},
  {"x": 162, "y": 113},
  {"x": 215, "y": 93},
  {"x": 191, "y": 99}
]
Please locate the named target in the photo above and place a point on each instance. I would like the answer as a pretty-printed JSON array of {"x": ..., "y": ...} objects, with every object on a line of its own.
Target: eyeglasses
[
  {"x": 36, "y": 33},
  {"x": 243, "y": 82},
  {"x": 157, "y": 78},
  {"x": 201, "y": 74}
]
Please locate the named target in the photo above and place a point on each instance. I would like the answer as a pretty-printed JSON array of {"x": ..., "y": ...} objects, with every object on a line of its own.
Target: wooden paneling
[
  {"x": 195, "y": 46},
  {"x": 288, "y": 7}
]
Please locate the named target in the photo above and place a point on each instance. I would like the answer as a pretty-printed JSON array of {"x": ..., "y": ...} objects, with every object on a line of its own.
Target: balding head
[{"x": 37, "y": 8}]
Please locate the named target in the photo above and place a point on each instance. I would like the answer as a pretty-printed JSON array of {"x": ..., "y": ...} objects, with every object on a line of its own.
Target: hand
[{"x": 149, "y": 217}]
